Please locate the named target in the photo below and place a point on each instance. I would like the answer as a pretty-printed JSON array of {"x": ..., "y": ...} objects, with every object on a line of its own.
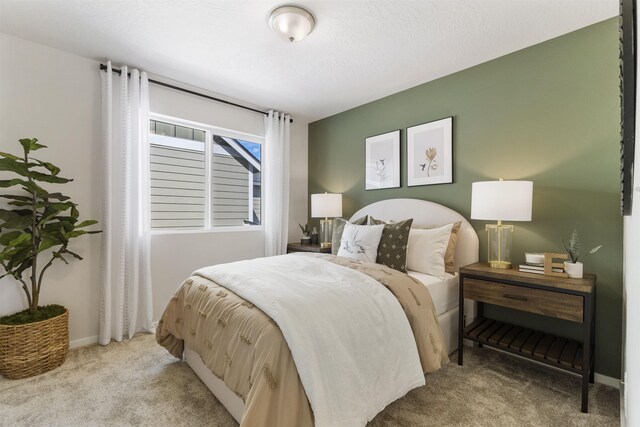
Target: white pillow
[
  {"x": 426, "y": 249},
  {"x": 360, "y": 242}
]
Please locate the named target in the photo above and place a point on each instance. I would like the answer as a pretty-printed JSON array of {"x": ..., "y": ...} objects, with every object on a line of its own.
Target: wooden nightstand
[
  {"x": 567, "y": 299},
  {"x": 298, "y": 247}
]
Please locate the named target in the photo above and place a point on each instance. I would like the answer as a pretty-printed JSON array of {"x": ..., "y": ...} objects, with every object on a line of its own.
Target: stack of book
[{"x": 530, "y": 267}]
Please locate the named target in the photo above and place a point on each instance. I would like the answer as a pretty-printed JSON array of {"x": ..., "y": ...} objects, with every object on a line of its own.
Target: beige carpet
[{"x": 139, "y": 384}]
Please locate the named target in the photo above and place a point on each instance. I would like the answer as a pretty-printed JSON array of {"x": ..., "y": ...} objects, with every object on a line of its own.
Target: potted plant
[
  {"x": 306, "y": 237},
  {"x": 34, "y": 224},
  {"x": 574, "y": 268}
]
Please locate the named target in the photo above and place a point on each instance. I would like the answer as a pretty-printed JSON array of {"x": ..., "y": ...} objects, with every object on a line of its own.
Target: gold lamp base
[{"x": 500, "y": 264}]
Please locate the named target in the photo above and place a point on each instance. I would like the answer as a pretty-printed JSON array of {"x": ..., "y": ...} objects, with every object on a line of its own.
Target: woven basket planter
[{"x": 34, "y": 348}]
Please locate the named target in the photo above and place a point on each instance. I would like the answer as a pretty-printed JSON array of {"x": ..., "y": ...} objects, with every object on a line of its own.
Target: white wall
[
  {"x": 631, "y": 298},
  {"x": 299, "y": 193},
  {"x": 631, "y": 295},
  {"x": 56, "y": 97}
]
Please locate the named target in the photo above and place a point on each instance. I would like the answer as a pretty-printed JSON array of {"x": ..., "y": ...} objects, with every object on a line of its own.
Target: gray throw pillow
[
  {"x": 338, "y": 228},
  {"x": 392, "y": 250}
]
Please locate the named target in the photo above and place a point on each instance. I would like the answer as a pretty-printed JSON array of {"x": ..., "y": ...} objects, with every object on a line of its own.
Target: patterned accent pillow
[
  {"x": 338, "y": 229},
  {"x": 392, "y": 250},
  {"x": 360, "y": 242}
]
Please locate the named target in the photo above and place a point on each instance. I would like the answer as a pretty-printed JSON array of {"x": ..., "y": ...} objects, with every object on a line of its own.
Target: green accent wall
[{"x": 548, "y": 113}]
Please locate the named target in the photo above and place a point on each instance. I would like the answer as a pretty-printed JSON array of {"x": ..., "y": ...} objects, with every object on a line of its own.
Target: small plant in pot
[
  {"x": 306, "y": 236},
  {"x": 35, "y": 225},
  {"x": 574, "y": 268}
]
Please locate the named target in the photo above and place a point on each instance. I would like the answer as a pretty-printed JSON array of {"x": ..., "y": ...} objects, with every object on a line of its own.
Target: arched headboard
[{"x": 425, "y": 213}]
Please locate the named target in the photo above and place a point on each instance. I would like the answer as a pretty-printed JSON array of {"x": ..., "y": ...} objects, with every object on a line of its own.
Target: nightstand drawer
[{"x": 547, "y": 303}]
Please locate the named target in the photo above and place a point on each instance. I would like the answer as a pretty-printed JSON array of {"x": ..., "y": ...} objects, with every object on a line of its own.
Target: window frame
[{"x": 209, "y": 131}]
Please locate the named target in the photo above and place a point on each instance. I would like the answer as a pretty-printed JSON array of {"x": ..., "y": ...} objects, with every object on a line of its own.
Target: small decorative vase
[
  {"x": 573, "y": 269},
  {"x": 305, "y": 240}
]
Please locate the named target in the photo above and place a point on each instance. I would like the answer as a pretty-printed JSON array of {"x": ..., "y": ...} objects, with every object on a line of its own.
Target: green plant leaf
[
  {"x": 6, "y": 214},
  {"x": 30, "y": 205},
  {"x": 50, "y": 167},
  {"x": 28, "y": 186},
  {"x": 59, "y": 256},
  {"x": 86, "y": 223},
  {"x": 12, "y": 165},
  {"x": 17, "y": 223},
  {"x": 73, "y": 254},
  {"x": 53, "y": 209},
  {"x": 57, "y": 196},
  {"x": 9, "y": 155},
  {"x": 33, "y": 188},
  {"x": 7, "y": 237},
  {"x": 16, "y": 197},
  {"x": 19, "y": 240},
  {"x": 58, "y": 207},
  {"x": 38, "y": 176},
  {"x": 14, "y": 255},
  {"x": 31, "y": 144},
  {"x": 25, "y": 265},
  {"x": 66, "y": 223},
  {"x": 52, "y": 227},
  {"x": 6, "y": 183},
  {"x": 49, "y": 241},
  {"x": 75, "y": 233}
]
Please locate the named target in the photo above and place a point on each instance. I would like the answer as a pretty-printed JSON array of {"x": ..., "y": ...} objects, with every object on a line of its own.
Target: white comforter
[{"x": 349, "y": 337}]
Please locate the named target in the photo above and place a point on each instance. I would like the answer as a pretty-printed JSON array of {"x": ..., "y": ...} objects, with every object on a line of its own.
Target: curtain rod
[{"x": 103, "y": 67}]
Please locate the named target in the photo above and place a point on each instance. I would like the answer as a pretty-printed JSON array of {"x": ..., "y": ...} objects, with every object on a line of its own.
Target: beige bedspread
[{"x": 242, "y": 346}]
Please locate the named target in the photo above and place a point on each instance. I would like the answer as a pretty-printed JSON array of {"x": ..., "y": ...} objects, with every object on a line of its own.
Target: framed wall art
[
  {"x": 430, "y": 153},
  {"x": 382, "y": 161}
]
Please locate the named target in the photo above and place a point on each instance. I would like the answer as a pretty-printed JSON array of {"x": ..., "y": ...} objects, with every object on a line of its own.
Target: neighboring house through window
[{"x": 203, "y": 177}]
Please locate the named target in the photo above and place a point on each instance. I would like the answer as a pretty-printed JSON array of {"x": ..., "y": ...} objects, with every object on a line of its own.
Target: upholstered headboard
[{"x": 426, "y": 213}]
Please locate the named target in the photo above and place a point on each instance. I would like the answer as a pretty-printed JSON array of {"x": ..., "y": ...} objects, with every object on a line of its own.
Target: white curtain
[
  {"x": 125, "y": 297},
  {"x": 276, "y": 184}
]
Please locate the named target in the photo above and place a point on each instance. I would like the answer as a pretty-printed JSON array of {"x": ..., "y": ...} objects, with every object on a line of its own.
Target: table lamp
[
  {"x": 326, "y": 205},
  {"x": 501, "y": 201}
]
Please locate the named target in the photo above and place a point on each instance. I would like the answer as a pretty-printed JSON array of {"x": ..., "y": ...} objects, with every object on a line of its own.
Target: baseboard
[
  {"x": 91, "y": 340},
  {"x": 598, "y": 378},
  {"x": 83, "y": 342},
  {"x": 610, "y": 381}
]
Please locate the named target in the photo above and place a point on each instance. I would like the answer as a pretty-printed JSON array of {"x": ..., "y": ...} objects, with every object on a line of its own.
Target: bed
[
  {"x": 218, "y": 289},
  {"x": 443, "y": 292}
]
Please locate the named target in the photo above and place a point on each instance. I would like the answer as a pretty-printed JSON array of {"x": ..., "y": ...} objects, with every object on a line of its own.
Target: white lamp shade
[
  {"x": 291, "y": 23},
  {"x": 326, "y": 205},
  {"x": 502, "y": 200}
]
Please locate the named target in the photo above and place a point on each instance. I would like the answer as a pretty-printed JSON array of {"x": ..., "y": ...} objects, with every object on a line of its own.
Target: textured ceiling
[{"x": 360, "y": 50}]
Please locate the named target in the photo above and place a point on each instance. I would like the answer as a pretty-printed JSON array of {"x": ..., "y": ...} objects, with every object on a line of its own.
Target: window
[{"x": 203, "y": 177}]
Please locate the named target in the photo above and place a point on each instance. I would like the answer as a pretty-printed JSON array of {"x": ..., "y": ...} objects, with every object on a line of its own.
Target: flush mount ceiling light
[{"x": 292, "y": 23}]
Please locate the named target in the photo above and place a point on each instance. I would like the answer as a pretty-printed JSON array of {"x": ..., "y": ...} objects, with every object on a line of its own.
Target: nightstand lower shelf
[{"x": 555, "y": 351}]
